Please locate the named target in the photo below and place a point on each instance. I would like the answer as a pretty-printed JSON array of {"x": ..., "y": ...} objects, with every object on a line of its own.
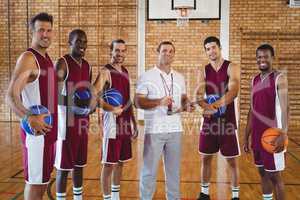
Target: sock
[
  {"x": 106, "y": 197},
  {"x": 268, "y": 196},
  {"x": 205, "y": 188},
  {"x": 77, "y": 193},
  {"x": 115, "y": 192},
  {"x": 235, "y": 191},
  {"x": 61, "y": 196}
]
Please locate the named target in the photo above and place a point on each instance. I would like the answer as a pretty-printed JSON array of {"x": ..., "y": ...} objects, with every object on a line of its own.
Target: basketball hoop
[{"x": 183, "y": 15}]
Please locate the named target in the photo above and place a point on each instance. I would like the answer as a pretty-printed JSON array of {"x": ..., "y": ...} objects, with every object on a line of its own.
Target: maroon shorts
[
  {"x": 71, "y": 150},
  {"x": 270, "y": 162},
  {"x": 38, "y": 159},
  {"x": 116, "y": 150},
  {"x": 221, "y": 137}
]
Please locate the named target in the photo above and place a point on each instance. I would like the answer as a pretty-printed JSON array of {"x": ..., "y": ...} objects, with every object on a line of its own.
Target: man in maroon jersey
[
  {"x": 269, "y": 108},
  {"x": 74, "y": 74},
  {"x": 34, "y": 83},
  {"x": 116, "y": 147},
  {"x": 221, "y": 78}
]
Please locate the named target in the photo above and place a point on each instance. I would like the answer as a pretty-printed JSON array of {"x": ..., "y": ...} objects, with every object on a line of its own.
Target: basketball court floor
[{"x": 12, "y": 182}]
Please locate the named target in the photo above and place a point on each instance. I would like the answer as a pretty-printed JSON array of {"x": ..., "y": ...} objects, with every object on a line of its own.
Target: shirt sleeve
[
  {"x": 141, "y": 87},
  {"x": 183, "y": 85}
]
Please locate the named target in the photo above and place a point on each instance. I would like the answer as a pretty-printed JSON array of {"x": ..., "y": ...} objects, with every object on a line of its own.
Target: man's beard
[
  {"x": 265, "y": 69},
  {"x": 119, "y": 60}
]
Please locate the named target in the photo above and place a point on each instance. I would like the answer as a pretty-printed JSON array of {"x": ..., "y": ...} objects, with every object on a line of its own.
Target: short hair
[
  {"x": 165, "y": 43},
  {"x": 266, "y": 47},
  {"x": 44, "y": 17},
  {"x": 211, "y": 39},
  {"x": 115, "y": 42},
  {"x": 75, "y": 32}
]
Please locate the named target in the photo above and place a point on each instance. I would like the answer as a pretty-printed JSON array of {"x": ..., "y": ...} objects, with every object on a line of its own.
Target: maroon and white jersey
[
  {"x": 78, "y": 75},
  {"x": 43, "y": 91},
  {"x": 77, "y": 78},
  {"x": 266, "y": 111},
  {"x": 121, "y": 124},
  {"x": 217, "y": 83}
]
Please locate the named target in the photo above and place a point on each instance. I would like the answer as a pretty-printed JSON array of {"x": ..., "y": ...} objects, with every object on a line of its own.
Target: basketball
[
  {"x": 82, "y": 98},
  {"x": 269, "y": 136},
  {"x": 81, "y": 102},
  {"x": 36, "y": 110},
  {"x": 213, "y": 98},
  {"x": 113, "y": 97}
]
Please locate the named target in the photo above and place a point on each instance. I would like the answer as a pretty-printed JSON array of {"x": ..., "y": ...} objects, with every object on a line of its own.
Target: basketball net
[{"x": 183, "y": 17}]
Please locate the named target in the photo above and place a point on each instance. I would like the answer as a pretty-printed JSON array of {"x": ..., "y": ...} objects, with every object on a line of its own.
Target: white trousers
[{"x": 155, "y": 145}]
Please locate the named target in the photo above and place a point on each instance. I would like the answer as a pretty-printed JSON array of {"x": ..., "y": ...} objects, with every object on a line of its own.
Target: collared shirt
[{"x": 156, "y": 84}]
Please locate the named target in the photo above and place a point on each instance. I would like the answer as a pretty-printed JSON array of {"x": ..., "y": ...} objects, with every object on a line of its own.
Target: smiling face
[
  {"x": 78, "y": 45},
  {"x": 118, "y": 53},
  {"x": 42, "y": 34},
  {"x": 264, "y": 60},
  {"x": 213, "y": 51},
  {"x": 166, "y": 54}
]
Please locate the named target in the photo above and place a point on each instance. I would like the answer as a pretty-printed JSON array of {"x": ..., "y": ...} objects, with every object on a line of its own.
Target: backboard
[{"x": 201, "y": 9}]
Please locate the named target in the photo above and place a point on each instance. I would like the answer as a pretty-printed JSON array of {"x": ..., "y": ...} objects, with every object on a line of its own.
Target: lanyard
[{"x": 166, "y": 88}]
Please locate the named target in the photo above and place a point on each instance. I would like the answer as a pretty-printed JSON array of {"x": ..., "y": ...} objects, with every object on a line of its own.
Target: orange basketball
[{"x": 269, "y": 136}]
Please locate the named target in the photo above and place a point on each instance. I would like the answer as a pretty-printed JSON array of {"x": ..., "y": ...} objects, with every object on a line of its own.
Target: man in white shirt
[{"x": 161, "y": 93}]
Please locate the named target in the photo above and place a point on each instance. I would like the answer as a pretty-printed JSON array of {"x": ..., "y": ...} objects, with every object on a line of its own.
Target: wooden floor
[{"x": 11, "y": 173}]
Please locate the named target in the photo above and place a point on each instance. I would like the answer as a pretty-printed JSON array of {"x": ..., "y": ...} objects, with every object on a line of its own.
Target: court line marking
[
  {"x": 17, "y": 195},
  {"x": 162, "y": 181},
  {"x": 17, "y": 173}
]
